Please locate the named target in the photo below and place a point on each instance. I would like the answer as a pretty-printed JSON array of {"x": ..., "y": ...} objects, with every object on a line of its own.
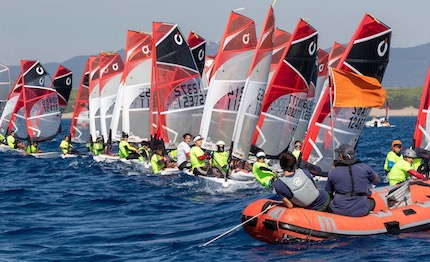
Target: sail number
[
  {"x": 234, "y": 96},
  {"x": 358, "y": 118},
  {"x": 187, "y": 95},
  {"x": 290, "y": 106},
  {"x": 50, "y": 104},
  {"x": 143, "y": 100}
]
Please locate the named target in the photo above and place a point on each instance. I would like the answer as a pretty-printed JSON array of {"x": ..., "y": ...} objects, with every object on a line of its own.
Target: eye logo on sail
[
  {"x": 68, "y": 81},
  {"x": 382, "y": 47},
  {"x": 178, "y": 39},
  {"x": 321, "y": 67},
  {"x": 201, "y": 54},
  {"x": 245, "y": 39},
  {"x": 145, "y": 49},
  {"x": 312, "y": 48},
  {"x": 39, "y": 70},
  {"x": 115, "y": 67}
]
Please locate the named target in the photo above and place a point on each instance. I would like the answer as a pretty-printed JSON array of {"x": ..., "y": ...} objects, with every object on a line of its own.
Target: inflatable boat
[{"x": 403, "y": 208}]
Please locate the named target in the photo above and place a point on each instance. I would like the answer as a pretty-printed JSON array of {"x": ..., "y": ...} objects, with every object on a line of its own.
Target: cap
[
  {"x": 346, "y": 151},
  {"x": 220, "y": 143},
  {"x": 197, "y": 137},
  {"x": 395, "y": 142},
  {"x": 260, "y": 154},
  {"x": 124, "y": 135},
  {"x": 410, "y": 153}
]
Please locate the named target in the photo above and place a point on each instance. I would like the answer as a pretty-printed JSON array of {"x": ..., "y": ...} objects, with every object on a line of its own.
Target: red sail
[
  {"x": 421, "y": 133},
  {"x": 62, "y": 82},
  {"x": 79, "y": 128}
]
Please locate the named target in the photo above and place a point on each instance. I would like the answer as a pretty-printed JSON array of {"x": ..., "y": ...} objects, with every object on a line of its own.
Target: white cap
[
  {"x": 261, "y": 154},
  {"x": 197, "y": 137},
  {"x": 219, "y": 143}
]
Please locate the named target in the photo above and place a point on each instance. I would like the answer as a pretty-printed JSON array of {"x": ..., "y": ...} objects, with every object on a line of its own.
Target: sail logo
[
  {"x": 178, "y": 39},
  {"x": 39, "y": 70},
  {"x": 321, "y": 67},
  {"x": 297, "y": 181},
  {"x": 382, "y": 47},
  {"x": 201, "y": 54},
  {"x": 68, "y": 81},
  {"x": 312, "y": 48},
  {"x": 115, "y": 67},
  {"x": 245, "y": 39},
  {"x": 145, "y": 49}
]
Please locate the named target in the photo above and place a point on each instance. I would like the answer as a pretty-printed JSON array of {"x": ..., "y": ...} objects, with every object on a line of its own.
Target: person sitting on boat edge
[
  {"x": 297, "y": 149},
  {"x": 13, "y": 143},
  {"x": 220, "y": 157},
  {"x": 143, "y": 150},
  {"x": 347, "y": 184},
  {"x": 198, "y": 157},
  {"x": 32, "y": 148},
  {"x": 297, "y": 187},
  {"x": 126, "y": 150},
  {"x": 393, "y": 156},
  {"x": 262, "y": 171},
  {"x": 183, "y": 155},
  {"x": 67, "y": 147},
  {"x": 403, "y": 169}
]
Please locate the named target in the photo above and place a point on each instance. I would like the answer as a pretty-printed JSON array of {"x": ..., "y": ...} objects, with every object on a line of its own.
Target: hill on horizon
[{"x": 407, "y": 66}]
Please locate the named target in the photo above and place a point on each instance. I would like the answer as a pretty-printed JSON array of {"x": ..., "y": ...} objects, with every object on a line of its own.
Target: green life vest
[
  {"x": 156, "y": 166},
  {"x": 391, "y": 157},
  {"x": 195, "y": 152},
  {"x": 65, "y": 146},
  {"x": 98, "y": 148},
  {"x": 263, "y": 176},
  {"x": 123, "y": 152},
  {"x": 11, "y": 141},
  {"x": 221, "y": 160},
  {"x": 31, "y": 149},
  {"x": 399, "y": 172}
]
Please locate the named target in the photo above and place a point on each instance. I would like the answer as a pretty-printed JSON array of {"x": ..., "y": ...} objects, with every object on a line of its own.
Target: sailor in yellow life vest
[
  {"x": 98, "y": 147},
  {"x": 198, "y": 157},
  {"x": 14, "y": 144},
  {"x": 158, "y": 161},
  {"x": 67, "y": 147},
  {"x": 144, "y": 150},
  {"x": 220, "y": 157},
  {"x": 262, "y": 171},
  {"x": 33, "y": 148},
  {"x": 393, "y": 156},
  {"x": 403, "y": 169},
  {"x": 2, "y": 138},
  {"x": 126, "y": 150},
  {"x": 297, "y": 148}
]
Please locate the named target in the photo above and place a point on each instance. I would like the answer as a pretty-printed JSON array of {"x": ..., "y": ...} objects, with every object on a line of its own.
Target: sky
[{"x": 56, "y": 30}]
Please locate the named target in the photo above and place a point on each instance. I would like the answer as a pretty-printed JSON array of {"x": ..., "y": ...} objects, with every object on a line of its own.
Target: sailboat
[
  {"x": 94, "y": 99},
  {"x": 37, "y": 115},
  {"x": 286, "y": 94},
  {"x": 227, "y": 80},
  {"x": 131, "y": 113},
  {"x": 380, "y": 121},
  {"x": 79, "y": 128},
  {"x": 177, "y": 92},
  {"x": 366, "y": 55}
]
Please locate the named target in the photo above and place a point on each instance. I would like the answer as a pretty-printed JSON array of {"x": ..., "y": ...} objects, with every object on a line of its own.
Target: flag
[{"x": 352, "y": 90}]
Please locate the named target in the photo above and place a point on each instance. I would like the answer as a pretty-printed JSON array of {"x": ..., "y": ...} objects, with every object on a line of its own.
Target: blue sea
[{"x": 79, "y": 210}]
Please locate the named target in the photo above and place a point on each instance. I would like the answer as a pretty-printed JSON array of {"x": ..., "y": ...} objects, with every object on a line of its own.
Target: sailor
[
  {"x": 297, "y": 186},
  {"x": 12, "y": 143},
  {"x": 404, "y": 168},
  {"x": 347, "y": 183},
  {"x": 198, "y": 157},
  {"x": 33, "y": 148},
  {"x": 67, "y": 147},
  {"x": 98, "y": 147},
  {"x": 143, "y": 150},
  {"x": 393, "y": 156},
  {"x": 2, "y": 138},
  {"x": 262, "y": 171},
  {"x": 297, "y": 148},
  {"x": 220, "y": 157},
  {"x": 183, "y": 155},
  {"x": 158, "y": 161},
  {"x": 126, "y": 150}
]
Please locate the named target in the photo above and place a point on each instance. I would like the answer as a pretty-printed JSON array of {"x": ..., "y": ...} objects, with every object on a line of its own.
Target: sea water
[{"x": 78, "y": 210}]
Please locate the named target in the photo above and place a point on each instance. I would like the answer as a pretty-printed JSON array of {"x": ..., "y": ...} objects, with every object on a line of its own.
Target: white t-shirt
[{"x": 183, "y": 149}]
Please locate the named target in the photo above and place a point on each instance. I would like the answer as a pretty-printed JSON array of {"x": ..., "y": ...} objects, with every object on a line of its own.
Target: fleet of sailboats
[{"x": 264, "y": 92}]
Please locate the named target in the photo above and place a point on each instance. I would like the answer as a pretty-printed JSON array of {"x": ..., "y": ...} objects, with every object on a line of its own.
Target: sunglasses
[
  {"x": 296, "y": 146},
  {"x": 397, "y": 145}
]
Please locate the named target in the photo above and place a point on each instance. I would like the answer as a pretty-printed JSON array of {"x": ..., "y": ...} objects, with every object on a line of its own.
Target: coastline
[{"x": 408, "y": 111}]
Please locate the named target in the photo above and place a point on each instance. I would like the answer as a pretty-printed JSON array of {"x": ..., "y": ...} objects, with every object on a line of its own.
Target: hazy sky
[{"x": 56, "y": 30}]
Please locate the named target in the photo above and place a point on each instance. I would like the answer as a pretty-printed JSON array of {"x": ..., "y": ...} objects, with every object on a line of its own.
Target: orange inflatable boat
[{"x": 410, "y": 212}]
